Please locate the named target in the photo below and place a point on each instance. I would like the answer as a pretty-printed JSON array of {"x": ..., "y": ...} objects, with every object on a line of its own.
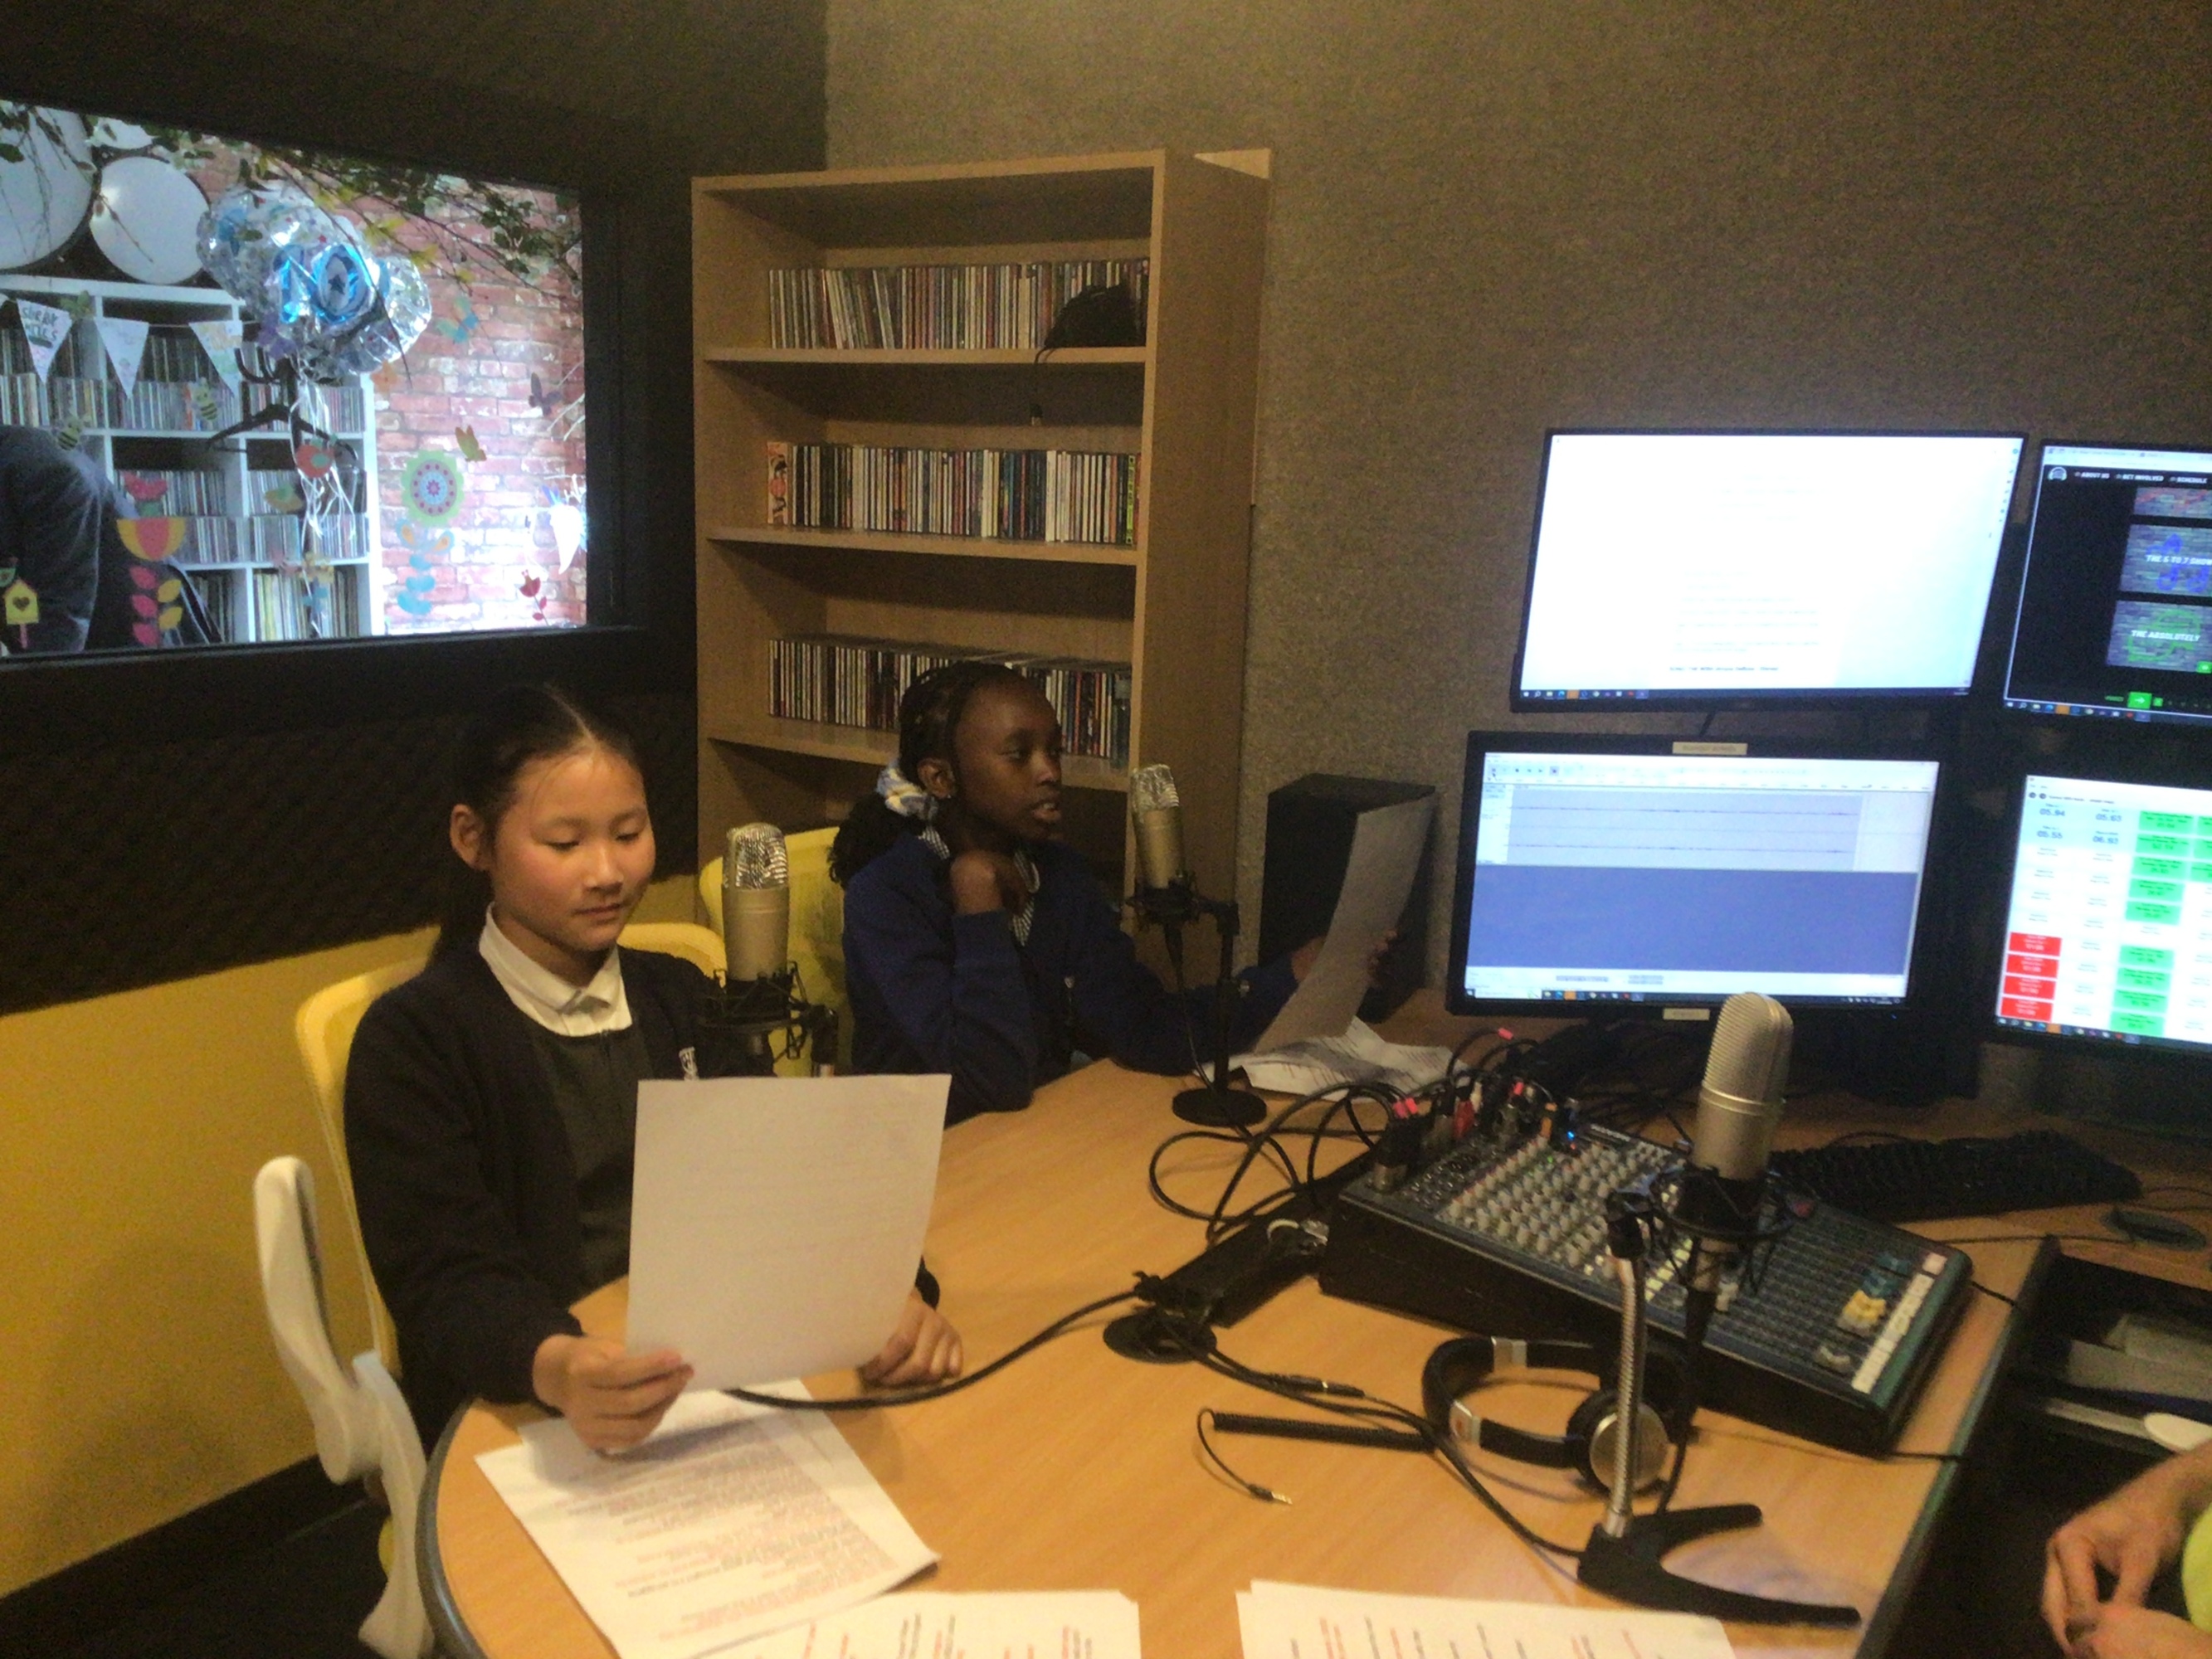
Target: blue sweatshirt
[{"x": 936, "y": 991}]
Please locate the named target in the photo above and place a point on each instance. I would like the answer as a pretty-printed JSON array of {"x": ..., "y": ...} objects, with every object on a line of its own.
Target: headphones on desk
[{"x": 1587, "y": 1447}]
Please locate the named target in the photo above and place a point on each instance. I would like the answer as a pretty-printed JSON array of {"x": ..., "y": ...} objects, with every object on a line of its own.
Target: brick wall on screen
[{"x": 501, "y": 567}]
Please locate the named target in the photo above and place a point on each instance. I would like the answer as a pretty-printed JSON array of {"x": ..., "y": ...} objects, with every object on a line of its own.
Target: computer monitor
[
  {"x": 2114, "y": 618},
  {"x": 1623, "y": 875},
  {"x": 2108, "y": 928},
  {"x": 1682, "y": 569}
]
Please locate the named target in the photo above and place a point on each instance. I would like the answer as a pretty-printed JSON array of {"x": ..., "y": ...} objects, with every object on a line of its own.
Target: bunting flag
[
  {"x": 221, "y": 340},
  {"x": 125, "y": 340},
  {"x": 45, "y": 327}
]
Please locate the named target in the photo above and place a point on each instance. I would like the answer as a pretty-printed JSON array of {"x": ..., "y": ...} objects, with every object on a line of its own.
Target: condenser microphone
[
  {"x": 1156, "y": 807},
  {"x": 1739, "y": 1103},
  {"x": 756, "y": 902}
]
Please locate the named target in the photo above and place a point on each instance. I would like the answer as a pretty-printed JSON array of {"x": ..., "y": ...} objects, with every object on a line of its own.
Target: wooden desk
[{"x": 1075, "y": 1469}]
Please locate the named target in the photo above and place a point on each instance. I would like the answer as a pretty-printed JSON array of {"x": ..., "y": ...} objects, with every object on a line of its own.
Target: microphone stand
[
  {"x": 749, "y": 1013},
  {"x": 1626, "y": 1557},
  {"x": 1216, "y": 1105}
]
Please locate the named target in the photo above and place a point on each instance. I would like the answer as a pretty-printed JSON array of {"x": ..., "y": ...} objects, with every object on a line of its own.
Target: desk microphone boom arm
[{"x": 1626, "y": 1557}]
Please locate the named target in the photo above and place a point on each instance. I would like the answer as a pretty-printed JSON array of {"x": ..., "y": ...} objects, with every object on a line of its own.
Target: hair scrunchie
[{"x": 904, "y": 796}]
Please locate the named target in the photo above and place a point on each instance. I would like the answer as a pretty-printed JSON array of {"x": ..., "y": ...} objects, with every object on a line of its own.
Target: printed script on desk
[
  {"x": 1300, "y": 1621},
  {"x": 777, "y": 1223},
  {"x": 734, "y": 1521},
  {"x": 987, "y": 1625}
]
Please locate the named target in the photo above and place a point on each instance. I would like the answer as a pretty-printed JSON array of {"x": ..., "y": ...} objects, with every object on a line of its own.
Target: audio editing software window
[
  {"x": 1719, "y": 564},
  {"x": 1675, "y": 878},
  {"x": 2116, "y": 603},
  {"x": 2110, "y": 929}
]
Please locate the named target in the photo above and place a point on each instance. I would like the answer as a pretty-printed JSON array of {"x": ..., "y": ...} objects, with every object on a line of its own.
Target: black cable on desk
[
  {"x": 1346, "y": 1400},
  {"x": 936, "y": 1390}
]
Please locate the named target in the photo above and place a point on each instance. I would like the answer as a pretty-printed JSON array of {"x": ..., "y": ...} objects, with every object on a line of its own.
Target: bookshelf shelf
[
  {"x": 875, "y": 749},
  {"x": 242, "y": 594},
  {"x": 1062, "y": 359},
  {"x": 1171, "y": 606},
  {"x": 957, "y": 547}
]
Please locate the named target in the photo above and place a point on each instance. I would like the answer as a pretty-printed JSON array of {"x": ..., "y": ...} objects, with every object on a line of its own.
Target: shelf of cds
[
  {"x": 240, "y": 530},
  {"x": 894, "y": 471}
]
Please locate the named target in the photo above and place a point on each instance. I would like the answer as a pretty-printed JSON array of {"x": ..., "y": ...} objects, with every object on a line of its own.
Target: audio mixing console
[{"x": 1506, "y": 1235}]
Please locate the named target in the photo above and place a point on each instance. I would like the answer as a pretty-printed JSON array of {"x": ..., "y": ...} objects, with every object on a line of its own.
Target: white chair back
[{"x": 363, "y": 1425}]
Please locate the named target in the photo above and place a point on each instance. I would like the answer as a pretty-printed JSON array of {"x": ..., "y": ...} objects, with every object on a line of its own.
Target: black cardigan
[{"x": 463, "y": 1175}]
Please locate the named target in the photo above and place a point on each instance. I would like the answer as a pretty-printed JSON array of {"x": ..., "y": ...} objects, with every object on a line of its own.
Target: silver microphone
[
  {"x": 756, "y": 902},
  {"x": 1739, "y": 1103},
  {"x": 1156, "y": 807}
]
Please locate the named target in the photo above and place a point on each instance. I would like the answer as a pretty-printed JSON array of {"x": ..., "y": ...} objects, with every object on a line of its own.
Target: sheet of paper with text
[
  {"x": 1386, "y": 852},
  {"x": 734, "y": 1521},
  {"x": 775, "y": 1223},
  {"x": 1299, "y": 1621}
]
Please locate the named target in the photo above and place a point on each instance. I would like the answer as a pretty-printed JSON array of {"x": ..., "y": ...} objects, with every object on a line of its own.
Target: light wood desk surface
[{"x": 1075, "y": 1469}]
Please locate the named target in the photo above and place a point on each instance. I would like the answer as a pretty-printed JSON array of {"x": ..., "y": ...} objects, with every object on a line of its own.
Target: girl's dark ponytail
[{"x": 517, "y": 726}]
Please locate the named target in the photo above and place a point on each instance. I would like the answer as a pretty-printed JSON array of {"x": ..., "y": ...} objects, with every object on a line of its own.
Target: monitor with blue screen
[{"x": 1633, "y": 873}]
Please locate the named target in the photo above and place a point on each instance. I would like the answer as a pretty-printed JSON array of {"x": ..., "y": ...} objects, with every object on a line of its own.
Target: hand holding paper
[{"x": 776, "y": 1222}]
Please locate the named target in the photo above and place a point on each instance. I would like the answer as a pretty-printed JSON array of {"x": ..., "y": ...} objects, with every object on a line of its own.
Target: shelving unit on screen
[
  {"x": 891, "y": 472},
  {"x": 239, "y": 539}
]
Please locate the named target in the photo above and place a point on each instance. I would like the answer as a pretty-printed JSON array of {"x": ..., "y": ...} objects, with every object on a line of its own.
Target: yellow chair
[
  {"x": 324, "y": 1027},
  {"x": 700, "y": 946},
  {"x": 818, "y": 925}
]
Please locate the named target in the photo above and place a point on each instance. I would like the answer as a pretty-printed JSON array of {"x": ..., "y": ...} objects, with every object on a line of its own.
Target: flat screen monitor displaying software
[
  {"x": 2108, "y": 932},
  {"x": 1682, "y": 567},
  {"x": 2115, "y": 613},
  {"x": 1614, "y": 871}
]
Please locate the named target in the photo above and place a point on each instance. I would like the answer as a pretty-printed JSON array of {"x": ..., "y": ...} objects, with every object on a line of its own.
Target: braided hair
[{"x": 928, "y": 727}]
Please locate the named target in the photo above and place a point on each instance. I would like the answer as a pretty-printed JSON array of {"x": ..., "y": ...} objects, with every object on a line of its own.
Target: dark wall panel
[{"x": 170, "y": 813}]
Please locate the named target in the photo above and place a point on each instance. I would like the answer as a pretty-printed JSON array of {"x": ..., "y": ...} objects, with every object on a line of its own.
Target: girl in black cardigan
[{"x": 491, "y": 1101}]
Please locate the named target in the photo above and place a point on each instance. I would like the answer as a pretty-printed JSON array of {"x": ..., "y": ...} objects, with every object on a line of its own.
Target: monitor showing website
[
  {"x": 2115, "y": 613},
  {"x": 1677, "y": 877},
  {"x": 2109, "y": 931},
  {"x": 1692, "y": 567}
]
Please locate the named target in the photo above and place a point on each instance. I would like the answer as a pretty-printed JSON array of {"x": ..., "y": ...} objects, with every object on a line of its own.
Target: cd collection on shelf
[
  {"x": 185, "y": 494},
  {"x": 937, "y": 308},
  {"x": 177, "y": 389},
  {"x": 269, "y": 538},
  {"x": 1017, "y": 495},
  {"x": 839, "y": 680},
  {"x": 280, "y": 599}
]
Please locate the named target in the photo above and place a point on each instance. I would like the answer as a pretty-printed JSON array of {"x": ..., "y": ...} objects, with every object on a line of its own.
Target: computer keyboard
[{"x": 1900, "y": 1181}]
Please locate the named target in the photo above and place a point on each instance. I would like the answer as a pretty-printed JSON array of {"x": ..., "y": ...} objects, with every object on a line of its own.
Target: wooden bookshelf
[{"x": 1172, "y": 606}]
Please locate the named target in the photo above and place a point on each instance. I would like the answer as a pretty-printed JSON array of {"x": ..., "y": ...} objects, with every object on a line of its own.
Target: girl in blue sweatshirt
[{"x": 976, "y": 943}]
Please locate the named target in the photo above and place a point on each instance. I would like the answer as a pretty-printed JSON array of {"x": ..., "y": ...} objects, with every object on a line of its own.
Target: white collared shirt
[{"x": 564, "y": 1009}]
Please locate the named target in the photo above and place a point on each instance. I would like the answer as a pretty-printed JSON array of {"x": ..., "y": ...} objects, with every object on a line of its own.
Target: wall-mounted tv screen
[
  {"x": 1672, "y": 568},
  {"x": 254, "y": 393}
]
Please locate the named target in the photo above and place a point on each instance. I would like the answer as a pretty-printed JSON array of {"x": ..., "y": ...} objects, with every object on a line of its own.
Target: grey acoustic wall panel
[{"x": 1489, "y": 219}]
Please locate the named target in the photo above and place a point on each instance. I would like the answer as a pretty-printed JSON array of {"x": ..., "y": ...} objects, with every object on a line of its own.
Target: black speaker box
[{"x": 1309, "y": 829}]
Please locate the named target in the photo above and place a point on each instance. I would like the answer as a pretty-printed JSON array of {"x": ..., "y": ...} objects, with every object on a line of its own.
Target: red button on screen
[{"x": 2021, "y": 1008}]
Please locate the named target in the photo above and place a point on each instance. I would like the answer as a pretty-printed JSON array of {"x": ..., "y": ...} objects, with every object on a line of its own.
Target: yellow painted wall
[{"x": 136, "y": 1377}]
